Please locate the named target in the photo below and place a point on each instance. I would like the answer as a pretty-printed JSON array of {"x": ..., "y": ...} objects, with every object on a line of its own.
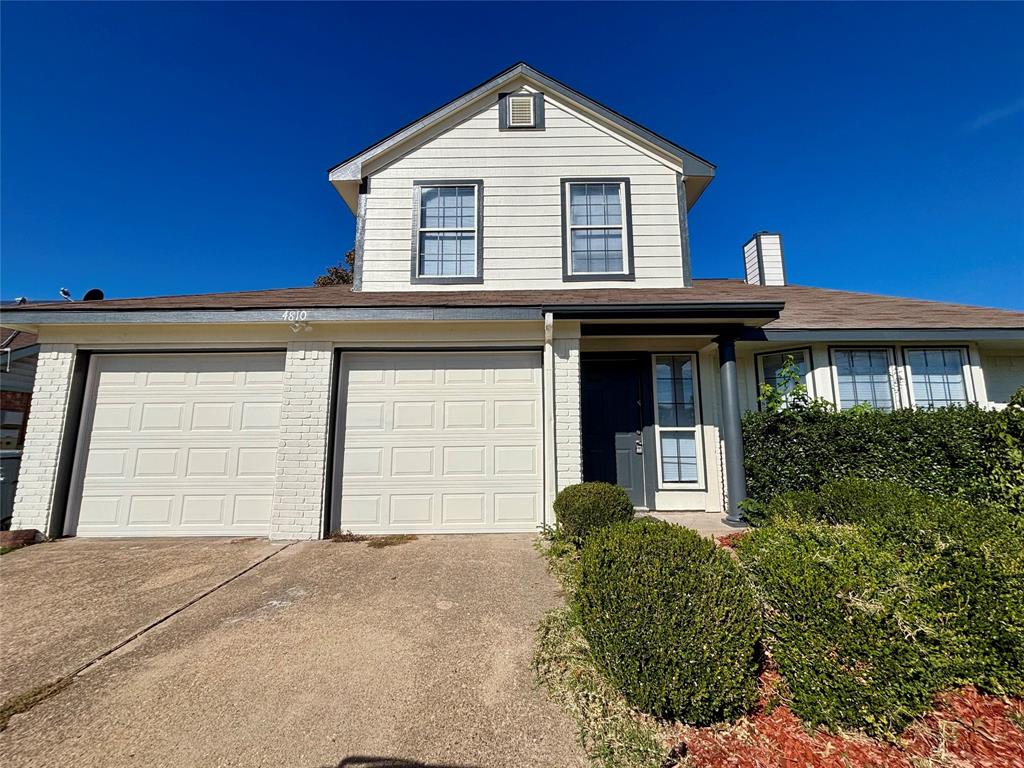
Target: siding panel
[{"x": 522, "y": 201}]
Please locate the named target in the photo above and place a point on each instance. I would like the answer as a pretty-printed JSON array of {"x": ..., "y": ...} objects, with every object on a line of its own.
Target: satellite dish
[{"x": 93, "y": 294}]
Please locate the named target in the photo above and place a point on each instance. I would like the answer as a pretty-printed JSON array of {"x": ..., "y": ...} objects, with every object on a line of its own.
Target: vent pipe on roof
[{"x": 762, "y": 257}]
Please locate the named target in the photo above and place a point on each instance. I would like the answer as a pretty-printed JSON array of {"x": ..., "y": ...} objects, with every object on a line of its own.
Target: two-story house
[{"x": 523, "y": 318}]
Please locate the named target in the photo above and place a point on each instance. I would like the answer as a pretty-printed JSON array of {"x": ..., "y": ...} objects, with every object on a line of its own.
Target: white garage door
[
  {"x": 442, "y": 442},
  {"x": 178, "y": 445}
]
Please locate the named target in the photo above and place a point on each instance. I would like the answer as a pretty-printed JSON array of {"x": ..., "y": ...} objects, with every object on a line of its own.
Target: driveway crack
[{"x": 23, "y": 702}]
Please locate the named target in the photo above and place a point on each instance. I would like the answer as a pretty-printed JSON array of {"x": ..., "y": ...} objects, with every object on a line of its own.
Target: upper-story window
[
  {"x": 448, "y": 232},
  {"x": 937, "y": 377},
  {"x": 597, "y": 236},
  {"x": 865, "y": 376}
]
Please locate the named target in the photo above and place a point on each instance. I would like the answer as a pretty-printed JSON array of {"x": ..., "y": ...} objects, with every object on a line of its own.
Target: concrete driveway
[{"x": 316, "y": 654}]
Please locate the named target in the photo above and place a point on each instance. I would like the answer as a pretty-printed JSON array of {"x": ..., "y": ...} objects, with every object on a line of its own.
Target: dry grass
[{"x": 374, "y": 542}]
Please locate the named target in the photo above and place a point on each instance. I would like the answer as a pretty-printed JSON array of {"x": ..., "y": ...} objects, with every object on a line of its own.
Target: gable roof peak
[{"x": 347, "y": 175}]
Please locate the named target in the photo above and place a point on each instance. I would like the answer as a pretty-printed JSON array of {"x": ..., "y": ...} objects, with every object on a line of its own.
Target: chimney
[{"x": 762, "y": 256}]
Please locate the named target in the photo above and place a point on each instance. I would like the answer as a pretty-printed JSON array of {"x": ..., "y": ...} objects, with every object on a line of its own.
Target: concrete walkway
[{"x": 325, "y": 654}]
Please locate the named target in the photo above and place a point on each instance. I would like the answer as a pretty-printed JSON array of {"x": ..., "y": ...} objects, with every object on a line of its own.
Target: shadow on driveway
[{"x": 361, "y": 761}]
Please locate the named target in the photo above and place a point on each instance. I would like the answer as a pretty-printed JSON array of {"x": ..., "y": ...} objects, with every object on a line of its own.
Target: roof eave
[{"x": 346, "y": 175}]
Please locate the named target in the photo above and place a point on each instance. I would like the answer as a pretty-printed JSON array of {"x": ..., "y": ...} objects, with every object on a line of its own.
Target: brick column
[
  {"x": 568, "y": 439},
  {"x": 33, "y": 502},
  {"x": 302, "y": 452}
]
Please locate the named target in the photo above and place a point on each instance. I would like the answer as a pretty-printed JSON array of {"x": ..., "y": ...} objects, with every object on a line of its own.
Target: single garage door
[
  {"x": 442, "y": 442},
  {"x": 177, "y": 445}
]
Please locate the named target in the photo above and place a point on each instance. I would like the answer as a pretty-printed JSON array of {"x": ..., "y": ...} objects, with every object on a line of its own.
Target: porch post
[{"x": 732, "y": 435}]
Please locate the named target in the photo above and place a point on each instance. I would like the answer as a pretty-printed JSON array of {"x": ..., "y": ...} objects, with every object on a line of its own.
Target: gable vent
[{"x": 520, "y": 111}]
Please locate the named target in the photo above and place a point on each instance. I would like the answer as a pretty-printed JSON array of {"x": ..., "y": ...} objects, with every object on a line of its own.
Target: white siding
[
  {"x": 522, "y": 201},
  {"x": 750, "y": 263},
  {"x": 1004, "y": 374},
  {"x": 771, "y": 260}
]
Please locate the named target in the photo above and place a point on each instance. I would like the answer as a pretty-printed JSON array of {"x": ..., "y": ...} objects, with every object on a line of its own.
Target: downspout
[
  {"x": 732, "y": 433},
  {"x": 549, "y": 418}
]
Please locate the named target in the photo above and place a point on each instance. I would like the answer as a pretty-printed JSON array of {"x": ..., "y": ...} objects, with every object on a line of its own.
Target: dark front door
[{"x": 612, "y": 408}]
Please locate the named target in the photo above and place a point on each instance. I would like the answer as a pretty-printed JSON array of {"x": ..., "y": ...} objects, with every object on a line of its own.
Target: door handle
[{"x": 639, "y": 446}]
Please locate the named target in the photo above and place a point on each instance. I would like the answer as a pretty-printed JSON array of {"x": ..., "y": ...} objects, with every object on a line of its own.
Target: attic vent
[{"x": 520, "y": 111}]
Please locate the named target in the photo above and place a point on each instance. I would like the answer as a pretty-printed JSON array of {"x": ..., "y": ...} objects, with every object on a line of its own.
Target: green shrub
[
  {"x": 1006, "y": 473},
  {"x": 953, "y": 452},
  {"x": 970, "y": 557},
  {"x": 585, "y": 507},
  {"x": 853, "y": 628},
  {"x": 671, "y": 621}
]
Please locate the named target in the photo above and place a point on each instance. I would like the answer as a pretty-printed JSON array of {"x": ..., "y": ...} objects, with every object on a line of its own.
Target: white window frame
[
  {"x": 697, "y": 429},
  {"x": 625, "y": 227},
  {"x": 478, "y": 231},
  {"x": 893, "y": 372},
  {"x": 808, "y": 357},
  {"x": 965, "y": 370}
]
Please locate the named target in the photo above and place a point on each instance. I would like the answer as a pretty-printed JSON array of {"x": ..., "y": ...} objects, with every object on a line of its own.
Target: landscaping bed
[{"x": 963, "y": 728}]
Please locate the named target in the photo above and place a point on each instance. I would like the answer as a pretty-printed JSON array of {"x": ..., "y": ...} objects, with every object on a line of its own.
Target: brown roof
[
  {"x": 12, "y": 339},
  {"x": 805, "y": 307}
]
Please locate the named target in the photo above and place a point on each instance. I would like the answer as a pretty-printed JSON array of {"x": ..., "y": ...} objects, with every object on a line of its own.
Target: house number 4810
[{"x": 294, "y": 315}]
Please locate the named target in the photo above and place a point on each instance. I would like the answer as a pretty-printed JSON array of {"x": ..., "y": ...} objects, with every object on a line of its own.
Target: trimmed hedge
[
  {"x": 671, "y": 620},
  {"x": 969, "y": 556},
  {"x": 585, "y": 507},
  {"x": 853, "y": 627},
  {"x": 966, "y": 452}
]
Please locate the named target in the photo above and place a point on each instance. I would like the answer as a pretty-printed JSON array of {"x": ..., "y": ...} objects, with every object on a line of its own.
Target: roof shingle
[{"x": 805, "y": 307}]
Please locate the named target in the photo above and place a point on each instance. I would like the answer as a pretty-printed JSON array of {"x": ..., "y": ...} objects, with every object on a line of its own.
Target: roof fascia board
[
  {"x": 885, "y": 334},
  {"x": 259, "y": 316},
  {"x": 672, "y": 160},
  {"x": 351, "y": 170},
  {"x": 693, "y": 165}
]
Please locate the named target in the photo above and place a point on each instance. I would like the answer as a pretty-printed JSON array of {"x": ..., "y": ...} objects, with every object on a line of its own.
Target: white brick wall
[
  {"x": 34, "y": 499},
  {"x": 302, "y": 452},
  {"x": 568, "y": 439}
]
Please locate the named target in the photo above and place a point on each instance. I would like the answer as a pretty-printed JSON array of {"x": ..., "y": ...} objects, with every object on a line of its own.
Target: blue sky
[{"x": 181, "y": 148}]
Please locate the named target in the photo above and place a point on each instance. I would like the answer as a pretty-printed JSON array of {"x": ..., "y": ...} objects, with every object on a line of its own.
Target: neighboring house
[
  {"x": 18, "y": 351},
  {"x": 523, "y": 318}
]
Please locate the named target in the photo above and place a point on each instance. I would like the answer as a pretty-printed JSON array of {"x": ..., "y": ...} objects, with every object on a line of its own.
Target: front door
[{"x": 612, "y": 409}]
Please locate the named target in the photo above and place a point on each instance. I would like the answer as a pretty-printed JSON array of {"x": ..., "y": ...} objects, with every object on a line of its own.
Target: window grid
[
  {"x": 596, "y": 213},
  {"x": 937, "y": 377},
  {"x": 863, "y": 376},
  {"x": 771, "y": 364},
  {"x": 447, "y": 244},
  {"x": 677, "y": 418}
]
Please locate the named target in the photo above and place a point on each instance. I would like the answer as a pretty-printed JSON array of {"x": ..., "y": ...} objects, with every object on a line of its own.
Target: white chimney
[{"x": 762, "y": 256}]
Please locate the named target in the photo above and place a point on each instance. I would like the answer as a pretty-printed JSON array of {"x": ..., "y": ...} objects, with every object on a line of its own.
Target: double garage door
[{"x": 187, "y": 444}]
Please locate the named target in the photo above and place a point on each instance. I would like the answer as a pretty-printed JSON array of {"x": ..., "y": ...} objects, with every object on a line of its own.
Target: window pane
[
  {"x": 678, "y": 457},
  {"x": 675, "y": 392},
  {"x": 596, "y": 250},
  {"x": 864, "y": 378},
  {"x": 595, "y": 204},
  {"x": 448, "y": 207},
  {"x": 447, "y": 254},
  {"x": 772, "y": 365},
  {"x": 937, "y": 377}
]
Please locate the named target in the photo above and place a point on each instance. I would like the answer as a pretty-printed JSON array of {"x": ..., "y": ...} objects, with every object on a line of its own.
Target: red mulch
[
  {"x": 728, "y": 541},
  {"x": 966, "y": 730}
]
